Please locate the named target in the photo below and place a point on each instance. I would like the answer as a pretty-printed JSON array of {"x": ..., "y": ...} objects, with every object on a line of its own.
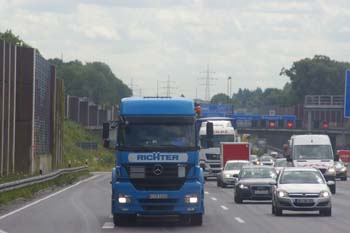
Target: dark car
[
  {"x": 255, "y": 183},
  {"x": 341, "y": 170}
]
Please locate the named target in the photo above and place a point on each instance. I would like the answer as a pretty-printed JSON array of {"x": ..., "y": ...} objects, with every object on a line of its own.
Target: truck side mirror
[{"x": 210, "y": 130}]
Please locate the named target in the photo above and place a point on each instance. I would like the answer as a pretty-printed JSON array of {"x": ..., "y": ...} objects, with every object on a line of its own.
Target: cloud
[{"x": 147, "y": 40}]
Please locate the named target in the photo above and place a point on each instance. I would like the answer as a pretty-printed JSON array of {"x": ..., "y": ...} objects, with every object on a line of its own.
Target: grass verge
[{"x": 30, "y": 191}]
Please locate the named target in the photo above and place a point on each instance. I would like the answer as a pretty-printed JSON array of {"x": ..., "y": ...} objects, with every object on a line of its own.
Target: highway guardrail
[{"x": 38, "y": 179}]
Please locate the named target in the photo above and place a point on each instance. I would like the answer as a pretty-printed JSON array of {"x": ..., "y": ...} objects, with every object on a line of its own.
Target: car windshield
[
  {"x": 259, "y": 172},
  {"x": 266, "y": 158},
  {"x": 301, "y": 177},
  {"x": 217, "y": 139},
  {"x": 338, "y": 164},
  {"x": 312, "y": 152},
  {"x": 234, "y": 166},
  {"x": 281, "y": 163}
]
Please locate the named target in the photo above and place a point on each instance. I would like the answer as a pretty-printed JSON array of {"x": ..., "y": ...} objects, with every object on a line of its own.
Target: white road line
[
  {"x": 206, "y": 192},
  {"x": 108, "y": 225},
  {"x": 224, "y": 207},
  {"x": 47, "y": 197},
  {"x": 1, "y": 231},
  {"x": 214, "y": 199},
  {"x": 238, "y": 219}
]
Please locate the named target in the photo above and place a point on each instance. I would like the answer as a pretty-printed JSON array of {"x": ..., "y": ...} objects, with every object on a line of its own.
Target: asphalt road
[{"x": 85, "y": 208}]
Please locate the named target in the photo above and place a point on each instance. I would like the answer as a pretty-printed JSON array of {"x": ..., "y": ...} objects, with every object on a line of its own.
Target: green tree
[
  {"x": 11, "y": 38},
  {"x": 94, "y": 80},
  {"x": 220, "y": 98},
  {"x": 317, "y": 76}
]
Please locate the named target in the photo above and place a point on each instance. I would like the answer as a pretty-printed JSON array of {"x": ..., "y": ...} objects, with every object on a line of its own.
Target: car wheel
[
  {"x": 333, "y": 189},
  {"x": 223, "y": 185},
  {"x": 326, "y": 212},
  {"x": 273, "y": 209},
  {"x": 344, "y": 178},
  {"x": 278, "y": 211},
  {"x": 205, "y": 178},
  {"x": 218, "y": 183},
  {"x": 238, "y": 200}
]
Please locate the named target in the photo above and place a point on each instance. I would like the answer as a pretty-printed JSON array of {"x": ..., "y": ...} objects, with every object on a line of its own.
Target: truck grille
[
  {"x": 171, "y": 176},
  {"x": 157, "y": 207}
]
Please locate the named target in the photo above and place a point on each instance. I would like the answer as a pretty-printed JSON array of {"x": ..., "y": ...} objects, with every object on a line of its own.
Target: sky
[{"x": 145, "y": 42}]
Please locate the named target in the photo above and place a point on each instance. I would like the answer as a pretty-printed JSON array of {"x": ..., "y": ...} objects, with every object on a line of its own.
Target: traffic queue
[{"x": 303, "y": 179}]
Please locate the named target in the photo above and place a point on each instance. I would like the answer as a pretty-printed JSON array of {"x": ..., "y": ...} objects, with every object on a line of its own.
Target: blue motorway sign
[
  {"x": 216, "y": 110},
  {"x": 347, "y": 95}
]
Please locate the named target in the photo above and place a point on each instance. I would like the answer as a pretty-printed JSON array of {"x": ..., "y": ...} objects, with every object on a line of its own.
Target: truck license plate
[{"x": 158, "y": 196}]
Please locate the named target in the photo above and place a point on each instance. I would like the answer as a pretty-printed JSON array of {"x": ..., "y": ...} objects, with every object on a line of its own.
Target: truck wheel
[
  {"x": 121, "y": 219},
  {"x": 197, "y": 219},
  {"x": 326, "y": 212},
  {"x": 333, "y": 189},
  {"x": 238, "y": 200}
]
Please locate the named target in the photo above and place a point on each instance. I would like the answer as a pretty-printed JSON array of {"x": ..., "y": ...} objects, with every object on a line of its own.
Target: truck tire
[
  {"x": 121, "y": 219},
  {"x": 197, "y": 219},
  {"x": 333, "y": 189}
]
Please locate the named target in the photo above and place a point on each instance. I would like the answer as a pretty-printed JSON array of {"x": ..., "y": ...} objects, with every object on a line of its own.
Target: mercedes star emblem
[{"x": 157, "y": 169}]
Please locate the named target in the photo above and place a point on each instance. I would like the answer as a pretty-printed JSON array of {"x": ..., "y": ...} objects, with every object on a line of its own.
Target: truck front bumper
[{"x": 158, "y": 202}]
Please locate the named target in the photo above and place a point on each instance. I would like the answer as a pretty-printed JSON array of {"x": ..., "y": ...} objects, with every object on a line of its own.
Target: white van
[{"x": 314, "y": 151}]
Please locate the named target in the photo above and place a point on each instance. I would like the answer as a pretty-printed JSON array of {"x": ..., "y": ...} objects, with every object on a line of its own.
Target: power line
[
  {"x": 207, "y": 82},
  {"x": 169, "y": 87}
]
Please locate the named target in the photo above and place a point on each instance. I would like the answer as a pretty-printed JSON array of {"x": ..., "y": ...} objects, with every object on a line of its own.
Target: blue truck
[{"x": 157, "y": 170}]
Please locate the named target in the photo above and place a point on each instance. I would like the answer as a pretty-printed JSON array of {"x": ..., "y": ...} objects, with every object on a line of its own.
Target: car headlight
[
  {"x": 242, "y": 186},
  {"x": 124, "y": 199},
  {"x": 227, "y": 175},
  {"x": 191, "y": 199},
  {"x": 331, "y": 170},
  {"x": 343, "y": 169},
  {"x": 324, "y": 194},
  {"x": 282, "y": 193}
]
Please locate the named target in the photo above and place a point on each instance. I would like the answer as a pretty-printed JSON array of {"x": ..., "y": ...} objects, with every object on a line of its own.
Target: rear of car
[{"x": 301, "y": 189}]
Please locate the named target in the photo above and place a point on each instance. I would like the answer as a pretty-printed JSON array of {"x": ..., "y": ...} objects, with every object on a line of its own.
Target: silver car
[
  {"x": 301, "y": 189},
  {"x": 228, "y": 176}
]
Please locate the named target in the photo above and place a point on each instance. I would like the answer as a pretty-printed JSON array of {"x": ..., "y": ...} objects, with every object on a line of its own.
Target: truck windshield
[
  {"x": 312, "y": 152},
  {"x": 158, "y": 136},
  {"x": 217, "y": 139}
]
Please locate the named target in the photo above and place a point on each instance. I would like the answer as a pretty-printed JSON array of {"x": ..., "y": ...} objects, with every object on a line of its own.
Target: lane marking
[
  {"x": 47, "y": 197},
  {"x": 206, "y": 192},
  {"x": 224, "y": 207},
  {"x": 108, "y": 225},
  {"x": 238, "y": 219},
  {"x": 214, "y": 199},
  {"x": 1, "y": 231}
]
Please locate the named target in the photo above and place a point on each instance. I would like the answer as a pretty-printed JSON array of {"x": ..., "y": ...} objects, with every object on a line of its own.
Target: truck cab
[
  {"x": 223, "y": 131},
  {"x": 157, "y": 170},
  {"x": 313, "y": 151}
]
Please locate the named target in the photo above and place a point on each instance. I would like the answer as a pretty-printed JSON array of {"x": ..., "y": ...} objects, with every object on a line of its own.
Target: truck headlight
[
  {"x": 324, "y": 194},
  {"x": 282, "y": 193},
  {"x": 227, "y": 175},
  {"x": 331, "y": 170},
  {"x": 242, "y": 186},
  {"x": 124, "y": 199},
  {"x": 191, "y": 199}
]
